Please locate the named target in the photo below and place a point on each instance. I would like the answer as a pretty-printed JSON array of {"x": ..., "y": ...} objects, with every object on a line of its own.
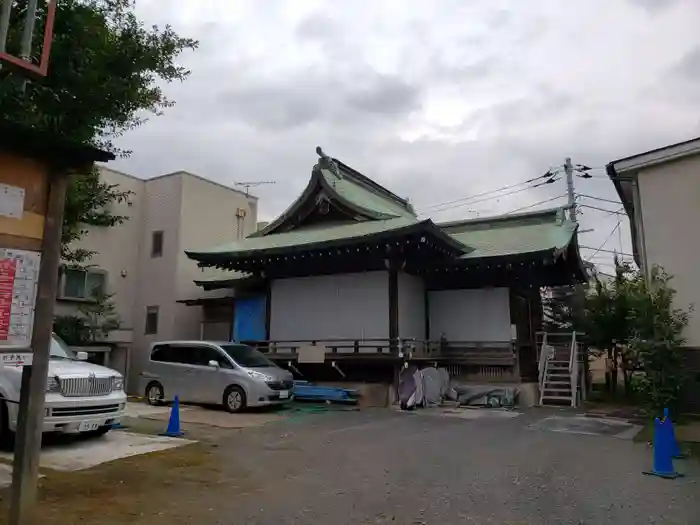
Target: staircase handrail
[
  {"x": 573, "y": 370},
  {"x": 543, "y": 359}
]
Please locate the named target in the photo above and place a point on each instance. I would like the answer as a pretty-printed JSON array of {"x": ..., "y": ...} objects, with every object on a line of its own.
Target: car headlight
[
  {"x": 52, "y": 384},
  {"x": 259, "y": 375},
  {"x": 117, "y": 383}
]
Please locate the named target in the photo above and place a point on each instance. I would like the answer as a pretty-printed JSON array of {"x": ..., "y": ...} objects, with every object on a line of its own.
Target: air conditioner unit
[{"x": 240, "y": 212}]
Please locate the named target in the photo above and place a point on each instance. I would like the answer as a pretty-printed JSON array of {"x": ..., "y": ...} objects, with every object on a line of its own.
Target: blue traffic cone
[
  {"x": 173, "y": 429},
  {"x": 673, "y": 446},
  {"x": 663, "y": 461}
]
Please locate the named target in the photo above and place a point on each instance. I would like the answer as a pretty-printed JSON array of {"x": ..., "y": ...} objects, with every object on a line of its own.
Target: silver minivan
[{"x": 234, "y": 375}]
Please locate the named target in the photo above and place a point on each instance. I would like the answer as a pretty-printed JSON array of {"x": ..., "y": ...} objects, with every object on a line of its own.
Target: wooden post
[
  {"x": 394, "y": 345},
  {"x": 30, "y": 423}
]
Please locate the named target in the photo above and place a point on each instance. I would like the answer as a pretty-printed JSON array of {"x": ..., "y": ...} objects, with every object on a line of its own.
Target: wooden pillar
[
  {"x": 268, "y": 307},
  {"x": 393, "y": 306},
  {"x": 426, "y": 305},
  {"x": 521, "y": 315}
]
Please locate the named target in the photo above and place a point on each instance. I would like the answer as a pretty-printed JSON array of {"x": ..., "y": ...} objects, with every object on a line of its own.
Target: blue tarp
[{"x": 305, "y": 391}]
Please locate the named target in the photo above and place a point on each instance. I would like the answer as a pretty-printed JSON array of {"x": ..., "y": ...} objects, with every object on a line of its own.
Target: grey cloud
[
  {"x": 383, "y": 94},
  {"x": 273, "y": 107},
  {"x": 248, "y": 114},
  {"x": 317, "y": 27},
  {"x": 654, "y": 6},
  {"x": 688, "y": 67}
]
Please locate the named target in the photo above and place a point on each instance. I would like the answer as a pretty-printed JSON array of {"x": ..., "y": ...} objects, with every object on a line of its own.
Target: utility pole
[{"x": 569, "y": 169}]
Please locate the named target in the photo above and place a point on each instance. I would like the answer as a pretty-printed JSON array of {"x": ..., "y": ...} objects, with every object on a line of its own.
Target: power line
[
  {"x": 611, "y": 212},
  {"x": 606, "y": 251},
  {"x": 536, "y": 204},
  {"x": 492, "y": 197},
  {"x": 607, "y": 238},
  {"x": 597, "y": 198},
  {"x": 547, "y": 175}
]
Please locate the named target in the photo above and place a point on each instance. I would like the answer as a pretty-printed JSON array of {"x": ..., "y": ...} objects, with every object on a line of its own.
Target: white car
[{"x": 81, "y": 397}]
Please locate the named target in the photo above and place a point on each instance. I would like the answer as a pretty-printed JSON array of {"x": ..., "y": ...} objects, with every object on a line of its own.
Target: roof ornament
[
  {"x": 325, "y": 162},
  {"x": 560, "y": 216},
  {"x": 409, "y": 205}
]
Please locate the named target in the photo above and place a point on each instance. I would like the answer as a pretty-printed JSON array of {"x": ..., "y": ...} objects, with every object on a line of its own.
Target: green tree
[
  {"x": 93, "y": 322},
  {"x": 105, "y": 77},
  {"x": 656, "y": 339}
]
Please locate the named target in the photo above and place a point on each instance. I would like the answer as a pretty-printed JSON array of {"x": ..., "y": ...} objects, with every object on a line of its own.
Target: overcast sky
[{"x": 437, "y": 100}]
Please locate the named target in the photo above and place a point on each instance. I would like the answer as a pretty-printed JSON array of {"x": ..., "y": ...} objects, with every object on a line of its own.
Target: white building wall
[
  {"x": 343, "y": 306},
  {"x": 207, "y": 217},
  {"x": 670, "y": 213},
  {"x": 481, "y": 315},
  {"x": 157, "y": 274},
  {"x": 117, "y": 249},
  {"x": 411, "y": 307}
]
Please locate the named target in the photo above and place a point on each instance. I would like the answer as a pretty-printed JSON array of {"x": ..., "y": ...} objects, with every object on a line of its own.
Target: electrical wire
[
  {"x": 620, "y": 211},
  {"x": 486, "y": 199},
  {"x": 597, "y": 198},
  {"x": 536, "y": 204},
  {"x": 619, "y": 221},
  {"x": 549, "y": 174}
]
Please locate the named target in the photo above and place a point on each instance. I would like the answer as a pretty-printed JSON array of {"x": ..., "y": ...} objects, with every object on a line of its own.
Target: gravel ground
[
  {"x": 380, "y": 467},
  {"x": 383, "y": 467}
]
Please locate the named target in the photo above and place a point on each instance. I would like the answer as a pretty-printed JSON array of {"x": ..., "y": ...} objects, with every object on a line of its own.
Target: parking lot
[{"x": 313, "y": 465}]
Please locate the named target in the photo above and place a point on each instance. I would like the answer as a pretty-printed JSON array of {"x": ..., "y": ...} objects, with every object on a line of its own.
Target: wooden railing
[{"x": 492, "y": 353}]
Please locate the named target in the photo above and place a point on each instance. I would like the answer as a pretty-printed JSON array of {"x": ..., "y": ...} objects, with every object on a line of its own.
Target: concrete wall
[
  {"x": 117, "y": 249},
  {"x": 157, "y": 275},
  {"x": 411, "y": 307},
  {"x": 192, "y": 213},
  {"x": 670, "y": 211},
  {"x": 343, "y": 306},
  {"x": 207, "y": 217},
  {"x": 481, "y": 315}
]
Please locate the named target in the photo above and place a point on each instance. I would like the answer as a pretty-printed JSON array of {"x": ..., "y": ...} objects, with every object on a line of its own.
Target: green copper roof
[
  {"x": 365, "y": 196},
  {"x": 513, "y": 234},
  {"x": 323, "y": 235}
]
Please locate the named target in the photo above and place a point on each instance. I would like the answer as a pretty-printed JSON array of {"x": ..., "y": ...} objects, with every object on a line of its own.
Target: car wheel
[
  {"x": 7, "y": 437},
  {"x": 234, "y": 399},
  {"x": 154, "y": 393}
]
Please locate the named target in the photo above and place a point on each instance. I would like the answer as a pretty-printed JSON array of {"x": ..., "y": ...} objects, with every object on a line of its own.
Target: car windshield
[
  {"x": 247, "y": 356},
  {"x": 59, "y": 349}
]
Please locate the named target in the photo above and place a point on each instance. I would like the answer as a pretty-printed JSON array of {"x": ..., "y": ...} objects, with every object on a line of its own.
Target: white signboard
[
  {"x": 11, "y": 201},
  {"x": 19, "y": 274}
]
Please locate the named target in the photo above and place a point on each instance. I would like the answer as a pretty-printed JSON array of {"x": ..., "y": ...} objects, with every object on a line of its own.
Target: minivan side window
[
  {"x": 162, "y": 354},
  {"x": 207, "y": 353}
]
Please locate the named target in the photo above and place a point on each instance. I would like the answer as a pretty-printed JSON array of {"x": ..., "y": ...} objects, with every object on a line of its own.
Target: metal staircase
[{"x": 560, "y": 373}]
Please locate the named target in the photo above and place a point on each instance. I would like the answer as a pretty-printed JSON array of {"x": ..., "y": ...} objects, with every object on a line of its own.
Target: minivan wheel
[
  {"x": 154, "y": 393},
  {"x": 234, "y": 399}
]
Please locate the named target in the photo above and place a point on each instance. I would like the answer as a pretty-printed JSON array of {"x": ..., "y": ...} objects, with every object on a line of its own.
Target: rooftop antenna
[{"x": 253, "y": 184}]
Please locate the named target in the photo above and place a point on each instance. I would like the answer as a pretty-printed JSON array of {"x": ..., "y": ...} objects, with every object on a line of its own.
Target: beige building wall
[
  {"x": 670, "y": 216},
  {"x": 193, "y": 213},
  {"x": 210, "y": 215},
  {"x": 117, "y": 249}
]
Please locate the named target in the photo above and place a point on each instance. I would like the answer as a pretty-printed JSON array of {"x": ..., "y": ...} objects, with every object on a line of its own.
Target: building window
[
  {"x": 83, "y": 284},
  {"x": 157, "y": 244},
  {"x": 151, "y": 320}
]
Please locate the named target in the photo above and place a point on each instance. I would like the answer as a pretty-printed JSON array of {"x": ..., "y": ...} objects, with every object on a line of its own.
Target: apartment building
[
  {"x": 143, "y": 262},
  {"x": 660, "y": 190}
]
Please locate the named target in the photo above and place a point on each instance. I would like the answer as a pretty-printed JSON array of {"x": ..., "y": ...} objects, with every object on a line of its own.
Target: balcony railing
[{"x": 488, "y": 353}]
